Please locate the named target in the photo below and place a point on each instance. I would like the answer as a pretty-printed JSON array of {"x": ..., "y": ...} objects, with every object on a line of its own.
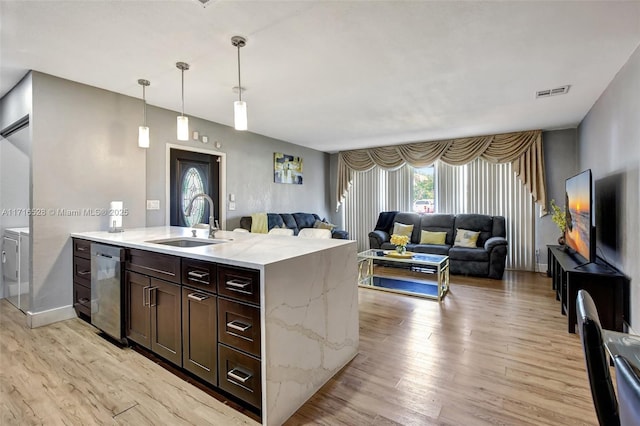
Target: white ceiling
[{"x": 336, "y": 75}]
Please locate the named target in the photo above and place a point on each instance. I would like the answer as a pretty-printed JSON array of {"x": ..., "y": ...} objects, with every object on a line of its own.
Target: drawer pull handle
[
  {"x": 239, "y": 326},
  {"x": 238, "y": 284},
  {"x": 198, "y": 274},
  {"x": 234, "y": 374},
  {"x": 83, "y": 300},
  {"x": 198, "y": 296},
  {"x": 84, "y": 273},
  {"x": 81, "y": 249}
]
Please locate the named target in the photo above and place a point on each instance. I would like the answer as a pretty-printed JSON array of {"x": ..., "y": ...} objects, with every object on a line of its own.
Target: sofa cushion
[
  {"x": 442, "y": 249},
  {"x": 466, "y": 238},
  {"x": 410, "y": 218},
  {"x": 401, "y": 229},
  {"x": 428, "y": 237},
  {"x": 290, "y": 222},
  {"x": 323, "y": 225},
  {"x": 274, "y": 221},
  {"x": 305, "y": 220},
  {"x": 439, "y": 223},
  {"x": 476, "y": 222},
  {"x": 470, "y": 254}
]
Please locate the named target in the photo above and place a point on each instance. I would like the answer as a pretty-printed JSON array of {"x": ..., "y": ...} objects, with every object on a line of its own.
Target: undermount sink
[{"x": 186, "y": 242}]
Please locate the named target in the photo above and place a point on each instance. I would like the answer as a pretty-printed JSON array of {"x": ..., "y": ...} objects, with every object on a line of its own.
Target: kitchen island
[{"x": 307, "y": 305}]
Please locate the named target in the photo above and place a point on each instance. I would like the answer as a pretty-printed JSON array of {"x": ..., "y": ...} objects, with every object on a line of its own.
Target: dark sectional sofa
[
  {"x": 295, "y": 221},
  {"x": 487, "y": 259}
]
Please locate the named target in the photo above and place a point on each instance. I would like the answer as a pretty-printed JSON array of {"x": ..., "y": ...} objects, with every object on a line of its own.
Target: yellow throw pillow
[
  {"x": 466, "y": 238},
  {"x": 402, "y": 229},
  {"x": 428, "y": 237}
]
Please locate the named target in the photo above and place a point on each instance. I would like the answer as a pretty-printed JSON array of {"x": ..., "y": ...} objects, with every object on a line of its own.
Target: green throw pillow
[
  {"x": 428, "y": 237},
  {"x": 402, "y": 229},
  {"x": 466, "y": 238}
]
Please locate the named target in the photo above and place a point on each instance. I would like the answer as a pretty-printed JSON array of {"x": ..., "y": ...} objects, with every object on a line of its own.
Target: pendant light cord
[
  {"x": 144, "y": 111},
  {"x": 239, "y": 84},
  {"x": 183, "y": 92}
]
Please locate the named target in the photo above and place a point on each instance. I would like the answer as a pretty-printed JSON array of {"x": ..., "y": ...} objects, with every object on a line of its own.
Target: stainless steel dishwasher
[{"x": 107, "y": 263}]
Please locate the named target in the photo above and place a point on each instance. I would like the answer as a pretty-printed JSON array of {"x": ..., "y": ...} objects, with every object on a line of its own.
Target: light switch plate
[
  {"x": 153, "y": 204},
  {"x": 232, "y": 205}
]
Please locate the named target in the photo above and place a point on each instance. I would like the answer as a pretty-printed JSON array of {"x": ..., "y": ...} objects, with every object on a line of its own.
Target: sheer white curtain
[
  {"x": 477, "y": 187},
  {"x": 493, "y": 189},
  {"x": 372, "y": 192}
]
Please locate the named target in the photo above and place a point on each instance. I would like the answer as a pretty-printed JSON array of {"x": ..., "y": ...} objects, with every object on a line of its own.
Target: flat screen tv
[{"x": 578, "y": 235}]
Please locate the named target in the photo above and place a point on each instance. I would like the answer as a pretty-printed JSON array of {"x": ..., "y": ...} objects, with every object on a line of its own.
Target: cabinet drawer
[
  {"x": 238, "y": 283},
  {"x": 82, "y": 248},
  {"x": 156, "y": 265},
  {"x": 239, "y": 326},
  {"x": 240, "y": 375},
  {"x": 82, "y": 299},
  {"x": 82, "y": 271},
  {"x": 199, "y": 274}
]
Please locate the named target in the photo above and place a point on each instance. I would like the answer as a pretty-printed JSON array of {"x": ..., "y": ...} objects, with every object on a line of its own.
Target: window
[
  {"x": 424, "y": 190},
  {"x": 192, "y": 184}
]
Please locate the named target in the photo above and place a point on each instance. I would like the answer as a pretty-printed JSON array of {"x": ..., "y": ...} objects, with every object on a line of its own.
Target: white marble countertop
[{"x": 235, "y": 248}]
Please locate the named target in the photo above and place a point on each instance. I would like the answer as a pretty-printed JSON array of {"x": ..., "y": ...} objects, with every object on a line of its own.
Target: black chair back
[
  {"x": 628, "y": 384},
  {"x": 604, "y": 397}
]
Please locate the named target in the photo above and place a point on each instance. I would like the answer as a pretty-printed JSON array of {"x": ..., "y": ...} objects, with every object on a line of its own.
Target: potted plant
[{"x": 558, "y": 216}]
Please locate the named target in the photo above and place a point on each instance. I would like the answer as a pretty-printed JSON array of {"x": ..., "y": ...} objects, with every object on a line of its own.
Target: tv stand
[{"x": 607, "y": 286}]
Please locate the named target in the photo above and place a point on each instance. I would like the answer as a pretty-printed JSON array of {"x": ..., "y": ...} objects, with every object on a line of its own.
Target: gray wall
[
  {"x": 249, "y": 169},
  {"x": 561, "y": 162},
  {"x": 609, "y": 142},
  {"x": 84, "y": 155}
]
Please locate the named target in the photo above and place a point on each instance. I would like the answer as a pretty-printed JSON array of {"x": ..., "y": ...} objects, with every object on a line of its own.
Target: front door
[{"x": 192, "y": 173}]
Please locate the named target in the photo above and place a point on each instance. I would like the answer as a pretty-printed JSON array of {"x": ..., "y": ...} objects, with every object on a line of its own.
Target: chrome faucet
[{"x": 212, "y": 224}]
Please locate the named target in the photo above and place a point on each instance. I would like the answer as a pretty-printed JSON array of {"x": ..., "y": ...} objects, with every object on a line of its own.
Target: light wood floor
[{"x": 493, "y": 352}]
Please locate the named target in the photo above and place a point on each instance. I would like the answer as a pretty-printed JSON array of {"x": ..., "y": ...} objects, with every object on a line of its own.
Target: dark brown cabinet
[
  {"x": 153, "y": 309},
  {"x": 82, "y": 278},
  {"x": 199, "y": 343},
  {"x": 239, "y": 333},
  {"x": 608, "y": 287}
]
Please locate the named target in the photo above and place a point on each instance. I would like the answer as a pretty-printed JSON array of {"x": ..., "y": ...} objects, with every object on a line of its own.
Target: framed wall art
[{"x": 287, "y": 168}]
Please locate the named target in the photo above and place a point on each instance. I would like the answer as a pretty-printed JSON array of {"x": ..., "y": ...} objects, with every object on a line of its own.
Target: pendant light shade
[
  {"x": 240, "y": 115},
  {"x": 183, "y": 128},
  {"x": 143, "y": 137},
  {"x": 183, "y": 121},
  {"x": 239, "y": 106},
  {"x": 143, "y": 131}
]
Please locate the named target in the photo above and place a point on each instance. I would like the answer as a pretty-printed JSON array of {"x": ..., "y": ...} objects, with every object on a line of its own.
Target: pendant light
[
  {"x": 183, "y": 122},
  {"x": 143, "y": 131},
  {"x": 239, "y": 106}
]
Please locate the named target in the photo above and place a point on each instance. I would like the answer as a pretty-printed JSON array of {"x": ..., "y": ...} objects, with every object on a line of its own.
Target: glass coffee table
[{"x": 428, "y": 264}]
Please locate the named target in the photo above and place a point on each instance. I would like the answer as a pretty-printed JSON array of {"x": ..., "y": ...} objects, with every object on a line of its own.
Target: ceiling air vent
[{"x": 562, "y": 90}]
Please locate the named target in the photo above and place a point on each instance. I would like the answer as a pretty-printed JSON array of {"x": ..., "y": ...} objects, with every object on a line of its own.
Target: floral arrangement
[
  {"x": 558, "y": 216},
  {"x": 399, "y": 240}
]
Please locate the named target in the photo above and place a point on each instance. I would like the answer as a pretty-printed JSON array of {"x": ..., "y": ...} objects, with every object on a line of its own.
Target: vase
[
  {"x": 561, "y": 240},
  {"x": 401, "y": 249}
]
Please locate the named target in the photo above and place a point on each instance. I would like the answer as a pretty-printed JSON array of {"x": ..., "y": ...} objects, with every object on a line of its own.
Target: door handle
[
  {"x": 238, "y": 284},
  {"x": 235, "y": 374},
  {"x": 145, "y": 300},
  {"x": 239, "y": 326},
  {"x": 153, "y": 294},
  {"x": 198, "y": 274},
  {"x": 4, "y": 256},
  {"x": 198, "y": 296}
]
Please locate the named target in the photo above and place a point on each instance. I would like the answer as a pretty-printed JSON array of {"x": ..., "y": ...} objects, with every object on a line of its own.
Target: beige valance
[{"x": 522, "y": 149}]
